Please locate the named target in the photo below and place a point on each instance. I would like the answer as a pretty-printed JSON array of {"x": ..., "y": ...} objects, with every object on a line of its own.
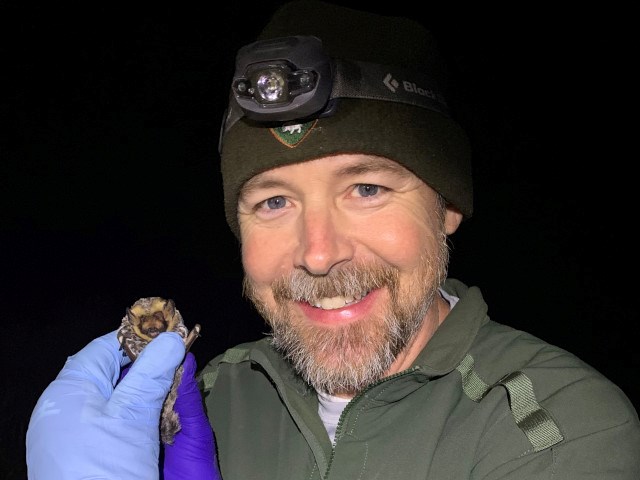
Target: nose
[{"x": 324, "y": 240}]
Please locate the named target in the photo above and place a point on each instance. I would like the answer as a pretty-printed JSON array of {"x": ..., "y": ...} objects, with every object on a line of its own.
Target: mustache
[{"x": 349, "y": 281}]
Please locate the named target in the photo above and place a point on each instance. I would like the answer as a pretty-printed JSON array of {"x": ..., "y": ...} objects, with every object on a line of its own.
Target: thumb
[{"x": 141, "y": 393}]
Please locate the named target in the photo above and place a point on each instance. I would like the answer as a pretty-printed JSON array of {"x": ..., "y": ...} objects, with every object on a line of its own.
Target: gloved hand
[
  {"x": 81, "y": 427},
  {"x": 192, "y": 455}
]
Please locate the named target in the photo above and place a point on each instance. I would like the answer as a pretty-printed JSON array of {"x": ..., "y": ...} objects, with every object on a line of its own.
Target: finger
[
  {"x": 141, "y": 393},
  {"x": 190, "y": 365},
  {"x": 189, "y": 399},
  {"x": 188, "y": 383},
  {"x": 98, "y": 362}
]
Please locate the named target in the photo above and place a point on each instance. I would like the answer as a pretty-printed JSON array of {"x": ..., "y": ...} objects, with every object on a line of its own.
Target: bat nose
[{"x": 155, "y": 329}]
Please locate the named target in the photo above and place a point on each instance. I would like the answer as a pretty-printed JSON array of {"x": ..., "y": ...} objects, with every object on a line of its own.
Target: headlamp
[
  {"x": 282, "y": 79},
  {"x": 293, "y": 80}
]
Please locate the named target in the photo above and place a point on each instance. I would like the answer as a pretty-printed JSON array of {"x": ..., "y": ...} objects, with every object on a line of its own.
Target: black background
[{"x": 111, "y": 191}]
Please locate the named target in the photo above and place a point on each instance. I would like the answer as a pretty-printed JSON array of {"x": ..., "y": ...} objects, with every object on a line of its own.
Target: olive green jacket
[{"x": 482, "y": 401}]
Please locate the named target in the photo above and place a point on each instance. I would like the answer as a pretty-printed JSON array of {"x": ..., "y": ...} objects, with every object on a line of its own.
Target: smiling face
[{"x": 343, "y": 256}]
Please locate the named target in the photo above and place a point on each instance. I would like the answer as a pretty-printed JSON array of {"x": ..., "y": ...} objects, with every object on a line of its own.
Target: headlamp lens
[
  {"x": 275, "y": 85},
  {"x": 271, "y": 87}
]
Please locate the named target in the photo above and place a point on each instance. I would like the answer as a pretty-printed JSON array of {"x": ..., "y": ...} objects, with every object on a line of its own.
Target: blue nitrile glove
[
  {"x": 192, "y": 455},
  {"x": 83, "y": 428}
]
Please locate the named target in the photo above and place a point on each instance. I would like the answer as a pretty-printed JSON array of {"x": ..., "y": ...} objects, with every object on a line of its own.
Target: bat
[{"x": 147, "y": 318}]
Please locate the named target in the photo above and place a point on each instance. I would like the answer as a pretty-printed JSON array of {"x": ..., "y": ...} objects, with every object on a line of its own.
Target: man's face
[{"x": 343, "y": 257}]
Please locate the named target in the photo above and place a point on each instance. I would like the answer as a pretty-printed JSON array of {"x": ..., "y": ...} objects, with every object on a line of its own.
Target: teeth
[{"x": 331, "y": 303}]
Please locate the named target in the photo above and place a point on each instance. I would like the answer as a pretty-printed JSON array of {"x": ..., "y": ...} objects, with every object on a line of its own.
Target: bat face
[
  {"x": 151, "y": 316},
  {"x": 151, "y": 325},
  {"x": 145, "y": 320}
]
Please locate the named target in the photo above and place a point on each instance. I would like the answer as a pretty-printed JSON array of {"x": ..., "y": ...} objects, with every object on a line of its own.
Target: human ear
[{"x": 452, "y": 219}]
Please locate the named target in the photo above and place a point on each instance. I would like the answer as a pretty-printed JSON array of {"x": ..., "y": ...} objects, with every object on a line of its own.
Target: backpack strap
[{"x": 536, "y": 422}]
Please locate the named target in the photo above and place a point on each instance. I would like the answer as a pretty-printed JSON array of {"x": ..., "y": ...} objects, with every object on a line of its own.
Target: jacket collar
[{"x": 453, "y": 338}]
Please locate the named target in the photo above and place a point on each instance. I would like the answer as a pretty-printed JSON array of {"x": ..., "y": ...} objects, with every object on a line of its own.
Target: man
[{"x": 344, "y": 174}]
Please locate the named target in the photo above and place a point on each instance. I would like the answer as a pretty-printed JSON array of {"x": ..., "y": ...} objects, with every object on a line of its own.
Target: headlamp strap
[{"x": 356, "y": 79}]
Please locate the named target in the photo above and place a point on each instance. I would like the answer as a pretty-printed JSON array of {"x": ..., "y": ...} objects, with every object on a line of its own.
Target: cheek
[
  {"x": 264, "y": 257},
  {"x": 400, "y": 240}
]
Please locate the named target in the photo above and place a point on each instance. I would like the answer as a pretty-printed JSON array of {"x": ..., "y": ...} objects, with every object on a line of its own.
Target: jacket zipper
[{"x": 355, "y": 400}]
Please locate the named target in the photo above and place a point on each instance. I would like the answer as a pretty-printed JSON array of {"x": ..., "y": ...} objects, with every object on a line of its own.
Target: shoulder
[
  {"x": 595, "y": 420},
  {"x": 239, "y": 354},
  {"x": 559, "y": 377}
]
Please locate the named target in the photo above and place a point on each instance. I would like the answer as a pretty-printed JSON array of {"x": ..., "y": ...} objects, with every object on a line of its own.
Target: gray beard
[
  {"x": 346, "y": 359},
  {"x": 351, "y": 358}
]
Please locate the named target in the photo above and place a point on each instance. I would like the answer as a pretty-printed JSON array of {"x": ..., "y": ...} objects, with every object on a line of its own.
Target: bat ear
[
  {"x": 133, "y": 319},
  {"x": 173, "y": 318},
  {"x": 169, "y": 309}
]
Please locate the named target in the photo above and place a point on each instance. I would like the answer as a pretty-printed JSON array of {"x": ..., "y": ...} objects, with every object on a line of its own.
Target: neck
[{"x": 435, "y": 316}]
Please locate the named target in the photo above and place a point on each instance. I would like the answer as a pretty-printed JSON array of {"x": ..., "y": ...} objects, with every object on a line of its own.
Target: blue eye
[
  {"x": 367, "y": 190},
  {"x": 274, "y": 203}
]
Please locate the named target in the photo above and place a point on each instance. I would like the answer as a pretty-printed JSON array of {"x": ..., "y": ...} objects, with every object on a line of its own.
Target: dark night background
[{"x": 109, "y": 119}]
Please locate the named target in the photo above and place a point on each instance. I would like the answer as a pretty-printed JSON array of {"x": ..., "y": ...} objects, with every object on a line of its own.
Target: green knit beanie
[{"x": 424, "y": 140}]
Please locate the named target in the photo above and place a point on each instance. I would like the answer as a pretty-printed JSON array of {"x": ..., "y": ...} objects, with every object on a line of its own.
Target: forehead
[{"x": 336, "y": 165}]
